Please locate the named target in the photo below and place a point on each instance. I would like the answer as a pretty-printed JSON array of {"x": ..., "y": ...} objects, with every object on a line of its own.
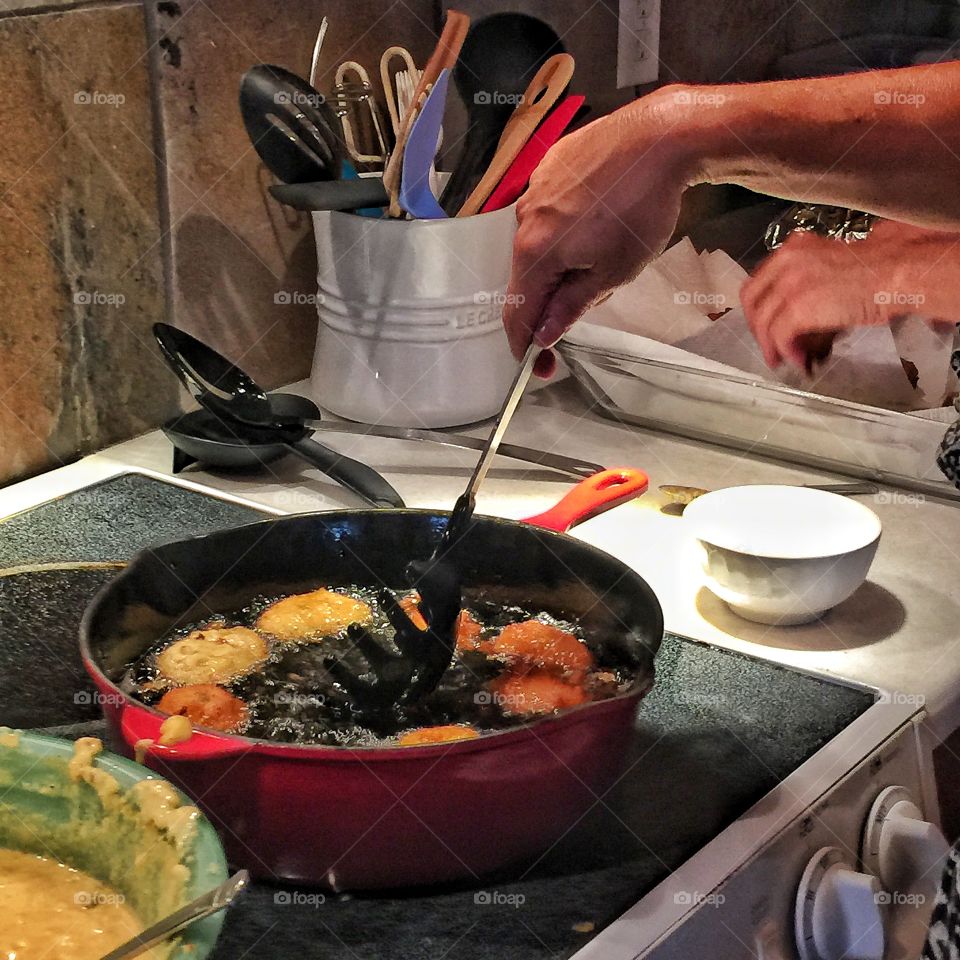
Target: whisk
[{"x": 347, "y": 97}]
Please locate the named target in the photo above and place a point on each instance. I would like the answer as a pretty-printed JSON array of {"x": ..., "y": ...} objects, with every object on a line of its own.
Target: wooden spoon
[
  {"x": 443, "y": 57},
  {"x": 542, "y": 93},
  {"x": 681, "y": 496}
]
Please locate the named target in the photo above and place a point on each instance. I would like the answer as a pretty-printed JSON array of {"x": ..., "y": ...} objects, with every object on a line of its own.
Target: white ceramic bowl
[{"x": 781, "y": 554}]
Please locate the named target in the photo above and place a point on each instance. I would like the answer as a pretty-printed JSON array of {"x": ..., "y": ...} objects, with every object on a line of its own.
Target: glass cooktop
[{"x": 718, "y": 731}]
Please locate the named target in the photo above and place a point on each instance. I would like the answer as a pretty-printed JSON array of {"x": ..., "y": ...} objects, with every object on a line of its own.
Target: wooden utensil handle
[
  {"x": 444, "y": 56},
  {"x": 387, "y": 82},
  {"x": 542, "y": 93}
]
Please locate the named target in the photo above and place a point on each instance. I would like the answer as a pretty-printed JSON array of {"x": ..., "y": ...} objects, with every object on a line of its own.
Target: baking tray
[{"x": 763, "y": 418}]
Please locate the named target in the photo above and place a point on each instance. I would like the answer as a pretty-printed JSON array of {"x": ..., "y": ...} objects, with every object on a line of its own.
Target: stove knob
[
  {"x": 838, "y": 913},
  {"x": 905, "y": 851}
]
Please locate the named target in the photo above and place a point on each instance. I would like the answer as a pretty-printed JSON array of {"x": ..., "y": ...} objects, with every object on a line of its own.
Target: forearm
[
  {"x": 887, "y": 142},
  {"x": 923, "y": 276}
]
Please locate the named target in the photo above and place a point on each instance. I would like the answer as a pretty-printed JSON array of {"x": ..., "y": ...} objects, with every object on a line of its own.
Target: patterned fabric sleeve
[
  {"x": 943, "y": 935},
  {"x": 949, "y": 457}
]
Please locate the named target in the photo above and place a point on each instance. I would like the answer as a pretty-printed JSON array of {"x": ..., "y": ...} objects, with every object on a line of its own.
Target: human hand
[
  {"x": 812, "y": 288},
  {"x": 600, "y": 206}
]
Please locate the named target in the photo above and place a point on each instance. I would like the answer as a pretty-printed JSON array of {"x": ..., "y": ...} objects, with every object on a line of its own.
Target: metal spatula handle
[
  {"x": 203, "y": 906},
  {"x": 463, "y": 508},
  {"x": 503, "y": 419}
]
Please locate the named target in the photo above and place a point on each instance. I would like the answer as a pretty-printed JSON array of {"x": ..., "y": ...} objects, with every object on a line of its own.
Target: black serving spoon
[
  {"x": 226, "y": 392},
  {"x": 246, "y": 409},
  {"x": 332, "y": 194},
  {"x": 202, "y": 437},
  {"x": 499, "y": 58}
]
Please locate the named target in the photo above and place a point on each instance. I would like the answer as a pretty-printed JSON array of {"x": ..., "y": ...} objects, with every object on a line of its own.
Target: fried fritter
[
  {"x": 312, "y": 616},
  {"x": 214, "y": 654},
  {"x": 542, "y": 646},
  {"x": 448, "y": 733},
  {"x": 536, "y": 691},
  {"x": 206, "y": 705}
]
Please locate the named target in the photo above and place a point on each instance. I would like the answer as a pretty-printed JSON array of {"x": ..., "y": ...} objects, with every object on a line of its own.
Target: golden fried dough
[
  {"x": 311, "y": 616},
  {"x": 536, "y": 691},
  {"x": 206, "y": 705},
  {"x": 448, "y": 733},
  {"x": 214, "y": 654},
  {"x": 541, "y": 645}
]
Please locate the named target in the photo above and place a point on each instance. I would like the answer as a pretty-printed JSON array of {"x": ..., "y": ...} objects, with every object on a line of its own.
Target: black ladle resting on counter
[
  {"x": 226, "y": 391},
  {"x": 202, "y": 437},
  {"x": 243, "y": 414}
]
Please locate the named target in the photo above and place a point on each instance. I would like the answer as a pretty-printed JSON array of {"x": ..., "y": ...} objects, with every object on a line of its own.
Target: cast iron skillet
[{"x": 364, "y": 818}]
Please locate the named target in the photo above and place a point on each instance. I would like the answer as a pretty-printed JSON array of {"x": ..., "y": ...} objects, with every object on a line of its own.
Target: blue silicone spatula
[{"x": 416, "y": 197}]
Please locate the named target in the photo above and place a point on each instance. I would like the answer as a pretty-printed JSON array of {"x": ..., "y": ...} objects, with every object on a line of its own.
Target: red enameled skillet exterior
[{"x": 368, "y": 818}]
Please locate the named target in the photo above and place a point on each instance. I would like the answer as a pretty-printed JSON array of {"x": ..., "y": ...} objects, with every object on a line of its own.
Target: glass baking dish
[{"x": 762, "y": 418}]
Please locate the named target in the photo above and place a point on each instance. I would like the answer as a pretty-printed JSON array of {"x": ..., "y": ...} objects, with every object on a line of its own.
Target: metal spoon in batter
[{"x": 203, "y": 906}]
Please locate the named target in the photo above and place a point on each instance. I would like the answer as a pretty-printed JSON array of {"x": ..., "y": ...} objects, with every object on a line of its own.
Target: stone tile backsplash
[
  {"x": 82, "y": 275},
  {"x": 129, "y": 192}
]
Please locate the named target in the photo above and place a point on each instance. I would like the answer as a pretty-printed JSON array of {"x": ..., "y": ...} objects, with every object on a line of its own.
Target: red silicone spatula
[{"x": 519, "y": 172}]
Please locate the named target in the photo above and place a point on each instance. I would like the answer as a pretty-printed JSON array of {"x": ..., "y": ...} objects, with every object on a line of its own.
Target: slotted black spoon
[
  {"x": 295, "y": 133},
  {"x": 425, "y": 654}
]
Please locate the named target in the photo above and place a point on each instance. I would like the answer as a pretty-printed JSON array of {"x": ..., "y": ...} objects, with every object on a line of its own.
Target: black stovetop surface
[{"x": 718, "y": 731}]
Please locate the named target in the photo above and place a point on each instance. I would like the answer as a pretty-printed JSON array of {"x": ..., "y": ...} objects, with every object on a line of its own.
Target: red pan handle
[
  {"x": 592, "y": 496},
  {"x": 138, "y": 723}
]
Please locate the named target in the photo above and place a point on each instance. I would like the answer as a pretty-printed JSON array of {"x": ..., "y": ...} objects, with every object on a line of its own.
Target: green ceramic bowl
[{"x": 99, "y": 823}]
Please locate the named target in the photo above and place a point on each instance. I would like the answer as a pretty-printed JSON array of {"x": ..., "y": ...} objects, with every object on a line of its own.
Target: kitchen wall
[{"x": 129, "y": 192}]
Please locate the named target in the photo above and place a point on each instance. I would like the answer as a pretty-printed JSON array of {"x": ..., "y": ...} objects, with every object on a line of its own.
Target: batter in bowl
[{"x": 53, "y": 911}]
